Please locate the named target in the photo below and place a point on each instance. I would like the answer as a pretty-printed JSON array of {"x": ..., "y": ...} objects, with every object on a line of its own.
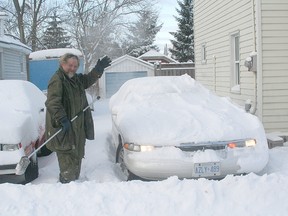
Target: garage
[
  {"x": 114, "y": 80},
  {"x": 122, "y": 69}
]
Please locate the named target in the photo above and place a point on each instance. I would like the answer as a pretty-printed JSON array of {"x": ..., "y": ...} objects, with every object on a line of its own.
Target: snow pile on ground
[
  {"x": 100, "y": 190},
  {"x": 246, "y": 195}
]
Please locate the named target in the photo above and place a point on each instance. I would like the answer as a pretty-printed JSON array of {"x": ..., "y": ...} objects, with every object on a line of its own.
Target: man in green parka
[{"x": 66, "y": 98}]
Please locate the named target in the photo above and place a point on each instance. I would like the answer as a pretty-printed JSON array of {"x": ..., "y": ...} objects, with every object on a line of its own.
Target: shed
[
  {"x": 241, "y": 52},
  {"x": 44, "y": 63},
  {"x": 13, "y": 55},
  {"x": 122, "y": 69}
]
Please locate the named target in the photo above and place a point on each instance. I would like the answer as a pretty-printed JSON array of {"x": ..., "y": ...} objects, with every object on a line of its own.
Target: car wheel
[
  {"x": 120, "y": 159},
  {"x": 32, "y": 171}
]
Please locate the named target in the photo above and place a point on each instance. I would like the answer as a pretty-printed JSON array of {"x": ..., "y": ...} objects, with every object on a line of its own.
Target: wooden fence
[{"x": 175, "y": 69}]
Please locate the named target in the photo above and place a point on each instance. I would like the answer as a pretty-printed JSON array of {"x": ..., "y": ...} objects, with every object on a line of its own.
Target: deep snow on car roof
[{"x": 176, "y": 109}]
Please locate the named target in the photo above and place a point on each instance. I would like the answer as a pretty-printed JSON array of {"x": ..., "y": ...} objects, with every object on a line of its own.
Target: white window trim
[{"x": 235, "y": 63}]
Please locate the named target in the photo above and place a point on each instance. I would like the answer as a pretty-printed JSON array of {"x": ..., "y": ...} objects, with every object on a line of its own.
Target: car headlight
[
  {"x": 146, "y": 148},
  {"x": 242, "y": 143},
  {"x": 10, "y": 147},
  {"x": 250, "y": 143},
  {"x": 138, "y": 148}
]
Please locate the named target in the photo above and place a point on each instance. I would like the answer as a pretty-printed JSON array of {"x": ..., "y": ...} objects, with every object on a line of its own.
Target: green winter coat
[{"x": 66, "y": 97}]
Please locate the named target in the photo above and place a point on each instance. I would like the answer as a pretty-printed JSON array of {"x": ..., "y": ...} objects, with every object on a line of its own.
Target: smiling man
[{"x": 65, "y": 99}]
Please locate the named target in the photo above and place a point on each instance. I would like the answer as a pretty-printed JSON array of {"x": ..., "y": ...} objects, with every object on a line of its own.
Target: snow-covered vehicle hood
[
  {"x": 175, "y": 110},
  {"x": 17, "y": 127},
  {"x": 21, "y": 112}
]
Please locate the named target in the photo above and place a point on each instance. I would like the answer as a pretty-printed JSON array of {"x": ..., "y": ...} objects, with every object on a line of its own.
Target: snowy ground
[{"x": 100, "y": 190}]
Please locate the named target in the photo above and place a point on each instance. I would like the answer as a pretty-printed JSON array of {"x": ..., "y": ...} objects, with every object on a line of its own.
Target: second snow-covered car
[
  {"x": 22, "y": 127},
  {"x": 173, "y": 126}
]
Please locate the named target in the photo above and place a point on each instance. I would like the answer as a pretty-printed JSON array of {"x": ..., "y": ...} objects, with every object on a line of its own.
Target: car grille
[
  {"x": 219, "y": 145},
  {"x": 8, "y": 166},
  {"x": 202, "y": 147}
]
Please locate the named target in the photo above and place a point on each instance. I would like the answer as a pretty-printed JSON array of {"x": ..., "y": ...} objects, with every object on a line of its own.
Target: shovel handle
[
  {"x": 48, "y": 140},
  {"x": 55, "y": 134}
]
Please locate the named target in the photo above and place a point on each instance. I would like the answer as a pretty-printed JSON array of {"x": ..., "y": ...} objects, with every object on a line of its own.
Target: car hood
[{"x": 16, "y": 127}]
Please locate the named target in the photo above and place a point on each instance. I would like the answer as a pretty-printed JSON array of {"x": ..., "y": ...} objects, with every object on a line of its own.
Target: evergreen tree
[
  {"x": 55, "y": 36},
  {"x": 142, "y": 34},
  {"x": 183, "y": 45}
]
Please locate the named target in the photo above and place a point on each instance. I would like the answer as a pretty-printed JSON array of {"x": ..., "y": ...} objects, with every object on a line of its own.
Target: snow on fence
[{"x": 175, "y": 69}]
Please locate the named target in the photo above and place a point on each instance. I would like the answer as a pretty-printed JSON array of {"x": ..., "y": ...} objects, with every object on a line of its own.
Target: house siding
[
  {"x": 274, "y": 20},
  {"x": 214, "y": 25},
  {"x": 14, "y": 65},
  {"x": 264, "y": 30}
]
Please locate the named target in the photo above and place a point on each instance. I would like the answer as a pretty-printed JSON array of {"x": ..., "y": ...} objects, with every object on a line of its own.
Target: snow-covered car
[
  {"x": 174, "y": 126},
  {"x": 22, "y": 127}
]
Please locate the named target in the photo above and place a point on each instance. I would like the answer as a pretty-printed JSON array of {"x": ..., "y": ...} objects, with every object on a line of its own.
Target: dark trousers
[{"x": 70, "y": 166}]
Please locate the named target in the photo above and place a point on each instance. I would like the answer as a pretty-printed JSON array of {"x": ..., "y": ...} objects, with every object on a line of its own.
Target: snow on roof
[
  {"x": 53, "y": 53},
  {"x": 11, "y": 43},
  {"x": 154, "y": 54},
  {"x": 8, "y": 41},
  {"x": 128, "y": 57}
]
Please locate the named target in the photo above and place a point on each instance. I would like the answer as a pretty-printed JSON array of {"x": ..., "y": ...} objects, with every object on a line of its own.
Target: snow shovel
[{"x": 25, "y": 160}]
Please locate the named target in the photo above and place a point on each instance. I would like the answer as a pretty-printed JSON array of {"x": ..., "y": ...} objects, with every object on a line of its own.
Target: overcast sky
[
  {"x": 167, "y": 8},
  {"x": 167, "y": 11}
]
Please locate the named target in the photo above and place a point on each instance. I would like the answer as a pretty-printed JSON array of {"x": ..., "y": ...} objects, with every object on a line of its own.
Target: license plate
[{"x": 207, "y": 169}]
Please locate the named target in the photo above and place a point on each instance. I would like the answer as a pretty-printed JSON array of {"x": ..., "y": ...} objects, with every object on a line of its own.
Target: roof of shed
[
  {"x": 153, "y": 54},
  {"x": 131, "y": 58},
  {"x": 53, "y": 53},
  {"x": 11, "y": 43}
]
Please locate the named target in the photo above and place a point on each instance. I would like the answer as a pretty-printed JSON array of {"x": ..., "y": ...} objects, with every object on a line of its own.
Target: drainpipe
[
  {"x": 259, "y": 59},
  {"x": 254, "y": 106}
]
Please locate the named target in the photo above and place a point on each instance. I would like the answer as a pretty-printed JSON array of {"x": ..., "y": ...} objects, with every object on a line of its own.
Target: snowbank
[{"x": 100, "y": 190}]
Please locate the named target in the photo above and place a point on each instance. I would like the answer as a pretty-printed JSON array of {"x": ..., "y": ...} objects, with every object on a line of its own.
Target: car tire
[{"x": 120, "y": 159}]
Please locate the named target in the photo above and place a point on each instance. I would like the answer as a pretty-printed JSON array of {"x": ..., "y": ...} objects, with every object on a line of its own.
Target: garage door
[{"x": 114, "y": 80}]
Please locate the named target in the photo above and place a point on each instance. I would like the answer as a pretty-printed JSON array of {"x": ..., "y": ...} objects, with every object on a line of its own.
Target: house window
[
  {"x": 203, "y": 54},
  {"x": 235, "y": 62}
]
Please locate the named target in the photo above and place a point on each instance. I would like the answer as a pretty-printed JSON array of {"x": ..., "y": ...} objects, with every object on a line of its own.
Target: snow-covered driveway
[{"x": 100, "y": 190}]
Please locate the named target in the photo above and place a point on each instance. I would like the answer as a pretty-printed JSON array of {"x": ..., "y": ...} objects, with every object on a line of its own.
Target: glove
[
  {"x": 101, "y": 65},
  {"x": 66, "y": 124}
]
